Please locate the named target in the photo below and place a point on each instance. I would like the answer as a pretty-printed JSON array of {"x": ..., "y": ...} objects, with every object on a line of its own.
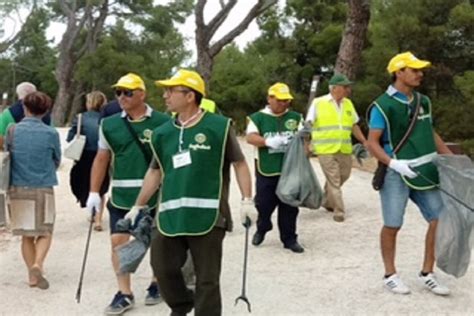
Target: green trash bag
[{"x": 298, "y": 184}]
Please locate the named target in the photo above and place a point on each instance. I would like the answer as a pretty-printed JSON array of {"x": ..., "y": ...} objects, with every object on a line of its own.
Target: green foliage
[{"x": 31, "y": 58}]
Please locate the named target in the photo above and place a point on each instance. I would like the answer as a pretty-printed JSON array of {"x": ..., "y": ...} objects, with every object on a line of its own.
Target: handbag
[
  {"x": 379, "y": 174},
  {"x": 75, "y": 148}
]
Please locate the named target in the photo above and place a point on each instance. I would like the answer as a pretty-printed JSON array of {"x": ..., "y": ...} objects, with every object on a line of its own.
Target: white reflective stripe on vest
[
  {"x": 127, "y": 183},
  {"x": 420, "y": 160},
  {"x": 189, "y": 202}
]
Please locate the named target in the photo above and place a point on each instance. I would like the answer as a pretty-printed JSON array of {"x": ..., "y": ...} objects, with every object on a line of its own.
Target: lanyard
[{"x": 183, "y": 124}]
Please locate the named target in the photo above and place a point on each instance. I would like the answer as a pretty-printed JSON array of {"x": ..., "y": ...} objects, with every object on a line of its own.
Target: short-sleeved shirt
[
  {"x": 377, "y": 120},
  {"x": 312, "y": 114},
  {"x": 233, "y": 153},
  {"x": 103, "y": 144}
]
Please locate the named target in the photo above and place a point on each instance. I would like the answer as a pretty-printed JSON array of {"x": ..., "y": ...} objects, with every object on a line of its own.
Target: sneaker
[
  {"x": 396, "y": 285},
  {"x": 433, "y": 285},
  {"x": 258, "y": 238},
  {"x": 153, "y": 296},
  {"x": 120, "y": 304}
]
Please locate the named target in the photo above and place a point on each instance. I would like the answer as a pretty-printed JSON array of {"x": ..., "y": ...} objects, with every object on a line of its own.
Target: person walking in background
[
  {"x": 270, "y": 130},
  {"x": 16, "y": 113},
  {"x": 389, "y": 118},
  {"x": 122, "y": 142},
  {"x": 35, "y": 156},
  {"x": 79, "y": 177},
  {"x": 334, "y": 119},
  {"x": 193, "y": 154}
]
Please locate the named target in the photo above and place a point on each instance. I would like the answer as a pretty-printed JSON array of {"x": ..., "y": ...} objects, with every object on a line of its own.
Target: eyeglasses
[{"x": 127, "y": 93}]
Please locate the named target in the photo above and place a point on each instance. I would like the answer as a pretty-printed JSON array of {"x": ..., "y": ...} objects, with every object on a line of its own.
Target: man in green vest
[
  {"x": 192, "y": 158},
  {"x": 122, "y": 142},
  {"x": 389, "y": 118},
  {"x": 270, "y": 130},
  {"x": 334, "y": 120}
]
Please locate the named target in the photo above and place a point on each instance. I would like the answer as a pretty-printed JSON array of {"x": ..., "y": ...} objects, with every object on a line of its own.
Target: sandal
[
  {"x": 98, "y": 228},
  {"x": 42, "y": 282}
]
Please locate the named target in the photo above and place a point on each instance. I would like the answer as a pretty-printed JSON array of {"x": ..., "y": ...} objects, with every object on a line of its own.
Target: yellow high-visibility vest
[
  {"x": 332, "y": 129},
  {"x": 208, "y": 105}
]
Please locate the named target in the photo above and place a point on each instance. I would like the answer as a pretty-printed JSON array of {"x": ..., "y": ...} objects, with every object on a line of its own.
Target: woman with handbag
[
  {"x": 87, "y": 124},
  {"x": 35, "y": 156}
]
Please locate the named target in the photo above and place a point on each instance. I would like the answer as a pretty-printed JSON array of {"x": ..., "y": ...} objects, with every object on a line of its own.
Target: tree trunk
[
  {"x": 78, "y": 18},
  {"x": 206, "y": 52},
  {"x": 353, "y": 39},
  {"x": 64, "y": 75}
]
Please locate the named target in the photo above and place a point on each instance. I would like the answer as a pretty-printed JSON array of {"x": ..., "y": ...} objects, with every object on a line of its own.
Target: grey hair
[
  {"x": 331, "y": 87},
  {"x": 24, "y": 88}
]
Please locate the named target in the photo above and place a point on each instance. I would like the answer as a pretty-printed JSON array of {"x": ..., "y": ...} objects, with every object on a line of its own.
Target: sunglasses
[{"x": 127, "y": 93}]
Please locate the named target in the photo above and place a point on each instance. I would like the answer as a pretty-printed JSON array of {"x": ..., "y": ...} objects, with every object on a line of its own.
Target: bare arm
[
  {"x": 357, "y": 132},
  {"x": 374, "y": 146},
  {"x": 256, "y": 140},
  {"x": 244, "y": 180},
  {"x": 440, "y": 145},
  {"x": 151, "y": 183},
  {"x": 99, "y": 169}
]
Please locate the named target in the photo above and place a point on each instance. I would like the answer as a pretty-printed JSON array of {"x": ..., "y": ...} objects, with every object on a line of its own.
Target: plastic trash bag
[
  {"x": 298, "y": 184},
  {"x": 132, "y": 253},
  {"x": 454, "y": 236},
  {"x": 360, "y": 153}
]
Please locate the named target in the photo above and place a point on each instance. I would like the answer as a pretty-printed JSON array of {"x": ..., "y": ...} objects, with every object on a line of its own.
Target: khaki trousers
[{"x": 337, "y": 169}]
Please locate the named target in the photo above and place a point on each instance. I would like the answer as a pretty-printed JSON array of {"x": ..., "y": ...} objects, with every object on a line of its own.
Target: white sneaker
[
  {"x": 433, "y": 285},
  {"x": 396, "y": 285}
]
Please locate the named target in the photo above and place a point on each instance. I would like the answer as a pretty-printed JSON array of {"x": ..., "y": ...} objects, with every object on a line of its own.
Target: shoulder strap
[
  {"x": 79, "y": 123},
  {"x": 412, "y": 124},
  {"x": 135, "y": 138}
]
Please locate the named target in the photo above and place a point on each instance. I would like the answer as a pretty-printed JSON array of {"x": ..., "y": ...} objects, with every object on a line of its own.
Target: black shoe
[
  {"x": 295, "y": 247},
  {"x": 258, "y": 238}
]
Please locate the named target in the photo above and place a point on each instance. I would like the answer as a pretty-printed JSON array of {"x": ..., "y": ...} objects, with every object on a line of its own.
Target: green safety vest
[
  {"x": 190, "y": 195},
  {"x": 420, "y": 146},
  {"x": 332, "y": 129},
  {"x": 129, "y": 164},
  {"x": 270, "y": 161}
]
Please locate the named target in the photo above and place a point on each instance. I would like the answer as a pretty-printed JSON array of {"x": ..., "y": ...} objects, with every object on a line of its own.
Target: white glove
[
  {"x": 93, "y": 202},
  {"x": 276, "y": 141},
  {"x": 247, "y": 210},
  {"x": 402, "y": 167},
  {"x": 134, "y": 211}
]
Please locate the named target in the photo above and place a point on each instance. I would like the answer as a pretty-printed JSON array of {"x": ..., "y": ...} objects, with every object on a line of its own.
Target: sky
[{"x": 242, "y": 7}]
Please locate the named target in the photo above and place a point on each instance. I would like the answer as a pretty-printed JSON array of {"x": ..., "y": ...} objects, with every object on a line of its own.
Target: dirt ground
[{"x": 340, "y": 272}]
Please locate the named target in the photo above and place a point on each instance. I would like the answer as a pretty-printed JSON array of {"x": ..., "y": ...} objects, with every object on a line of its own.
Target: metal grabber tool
[
  {"x": 243, "y": 296},
  {"x": 79, "y": 286}
]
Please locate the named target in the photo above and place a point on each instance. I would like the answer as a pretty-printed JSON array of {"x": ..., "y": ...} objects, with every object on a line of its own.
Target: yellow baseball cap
[
  {"x": 130, "y": 81},
  {"x": 280, "y": 91},
  {"x": 404, "y": 60},
  {"x": 186, "y": 78}
]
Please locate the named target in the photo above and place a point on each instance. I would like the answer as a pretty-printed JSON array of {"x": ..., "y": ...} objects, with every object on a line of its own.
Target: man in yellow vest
[{"x": 333, "y": 119}]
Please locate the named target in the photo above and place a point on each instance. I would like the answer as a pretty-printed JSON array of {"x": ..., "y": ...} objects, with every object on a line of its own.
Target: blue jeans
[{"x": 394, "y": 196}]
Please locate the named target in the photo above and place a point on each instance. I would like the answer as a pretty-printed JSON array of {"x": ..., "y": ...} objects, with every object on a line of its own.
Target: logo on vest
[
  {"x": 200, "y": 139},
  {"x": 291, "y": 124},
  {"x": 146, "y": 136}
]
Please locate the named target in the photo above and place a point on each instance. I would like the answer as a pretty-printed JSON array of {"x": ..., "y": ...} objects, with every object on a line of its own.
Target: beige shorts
[{"x": 32, "y": 211}]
